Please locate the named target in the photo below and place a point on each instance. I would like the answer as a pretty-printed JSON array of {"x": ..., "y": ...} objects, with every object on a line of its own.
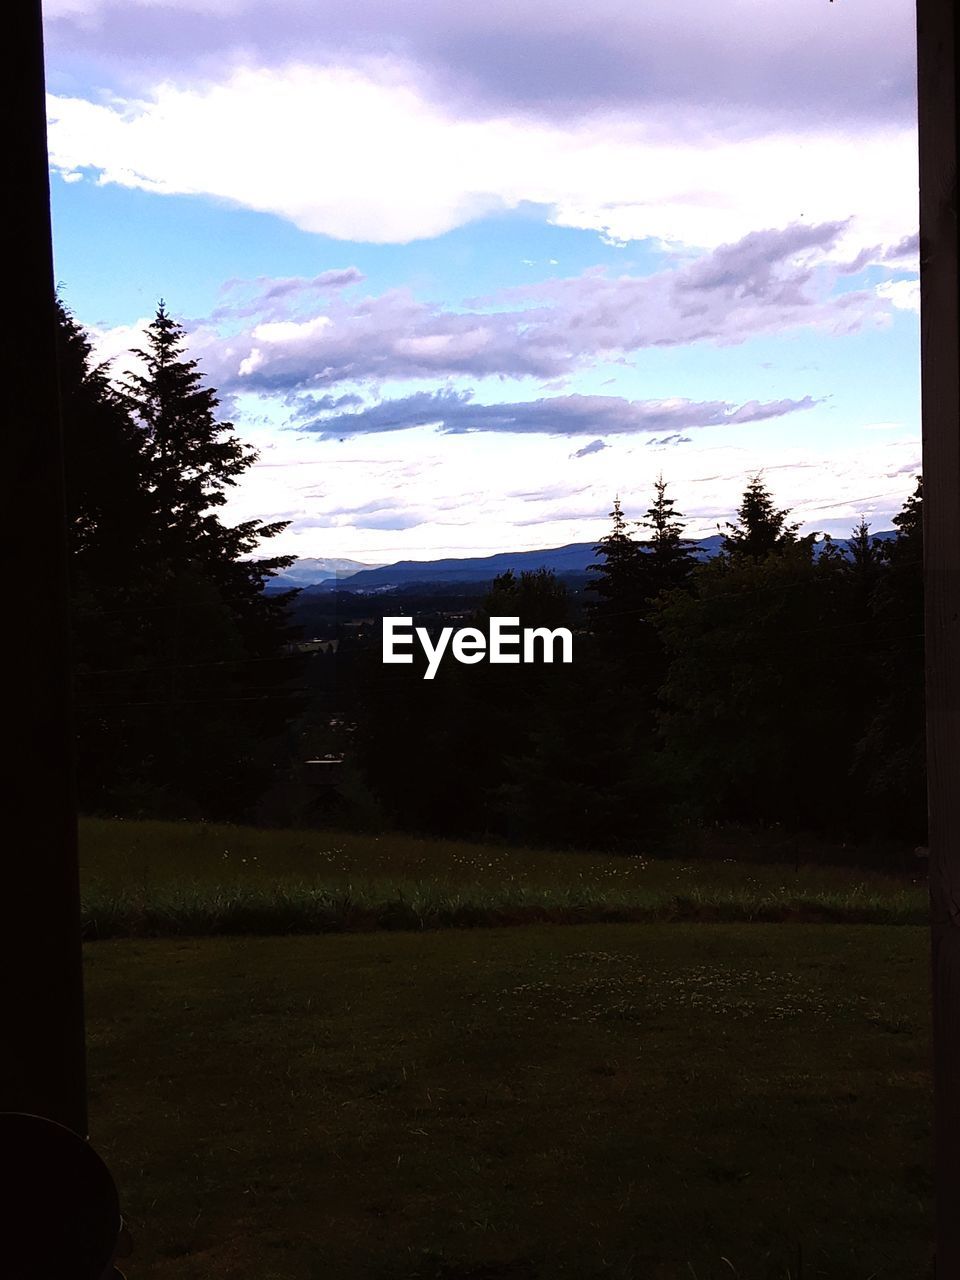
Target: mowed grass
[
  {"x": 193, "y": 879},
  {"x": 641, "y": 1102}
]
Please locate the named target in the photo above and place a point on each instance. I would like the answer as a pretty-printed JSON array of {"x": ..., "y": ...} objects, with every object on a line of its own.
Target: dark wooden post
[
  {"x": 41, "y": 1001},
  {"x": 940, "y": 358}
]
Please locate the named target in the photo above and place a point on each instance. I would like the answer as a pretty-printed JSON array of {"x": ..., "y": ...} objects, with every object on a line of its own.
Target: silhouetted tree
[
  {"x": 760, "y": 527},
  {"x": 181, "y": 661},
  {"x": 668, "y": 557},
  {"x": 537, "y": 597},
  {"x": 752, "y": 696},
  {"x": 616, "y": 612}
]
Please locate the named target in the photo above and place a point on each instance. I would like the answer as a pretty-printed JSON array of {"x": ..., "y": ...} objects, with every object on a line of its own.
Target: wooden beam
[
  {"x": 41, "y": 1002},
  {"x": 940, "y": 361}
]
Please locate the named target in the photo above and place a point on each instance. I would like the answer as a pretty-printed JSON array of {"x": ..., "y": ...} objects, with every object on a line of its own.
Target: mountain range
[
  {"x": 318, "y": 575},
  {"x": 309, "y": 571}
]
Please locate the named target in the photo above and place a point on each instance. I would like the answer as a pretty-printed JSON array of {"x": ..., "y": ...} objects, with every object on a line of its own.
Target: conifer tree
[
  {"x": 108, "y": 510},
  {"x": 668, "y": 559},
  {"x": 191, "y": 460},
  {"x": 863, "y": 567},
  {"x": 760, "y": 528},
  {"x": 182, "y": 656},
  {"x": 615, "y": 616},
  {"x": 109, "y": 519},
  {"x": 753, "y": 684}
]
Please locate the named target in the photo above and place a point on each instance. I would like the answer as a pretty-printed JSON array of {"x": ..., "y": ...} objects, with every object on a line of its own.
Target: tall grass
[{"x": 198, "y": 910}]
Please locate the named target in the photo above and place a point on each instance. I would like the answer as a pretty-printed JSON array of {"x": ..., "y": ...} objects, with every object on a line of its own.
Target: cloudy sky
[{"x": 463, "y": 273}]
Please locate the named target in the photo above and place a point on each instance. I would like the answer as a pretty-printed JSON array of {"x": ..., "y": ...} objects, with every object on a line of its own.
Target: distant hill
[
  {"x": 309, "y": 571},
  {"x": 561, "y": 560},
  {"x": 573, "y": 560}
]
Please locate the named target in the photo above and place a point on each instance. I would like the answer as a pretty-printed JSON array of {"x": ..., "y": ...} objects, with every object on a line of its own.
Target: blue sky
[{"x": 462, "y": 276}]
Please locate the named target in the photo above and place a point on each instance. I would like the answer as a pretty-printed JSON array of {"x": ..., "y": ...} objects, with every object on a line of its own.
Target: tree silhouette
[
  {"x": 760, "y": 528},
  {"x": 184, "y": 683},
  {"x": 615, "y": 615},
  {"x": 668, "y": 559}
]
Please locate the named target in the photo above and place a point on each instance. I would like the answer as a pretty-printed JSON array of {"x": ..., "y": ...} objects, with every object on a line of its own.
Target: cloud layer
[
  {"x": 280, "y": 341},
  {"x": 366, "y": 155},
  {"x": 845, "y": 62},
  {"x": 447, "y": 494},
  {"x": 456, "y": 412}
]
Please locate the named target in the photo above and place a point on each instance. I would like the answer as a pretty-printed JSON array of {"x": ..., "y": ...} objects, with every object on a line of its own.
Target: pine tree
[
  {"x": 616, "y": 615},
  {"x": 668, "y": 559},
  {"x": 109, "y": 518},
  {"x": 195, "y": 687},
  {"x": 108, "y": 511},
  {"x": 908, "y": 544},
  {"x": 190, "y": 457},
  {"x": 191, "y": 461},
  {"x": 761, "y": 529},
  {"x": 864, "y": 566}
]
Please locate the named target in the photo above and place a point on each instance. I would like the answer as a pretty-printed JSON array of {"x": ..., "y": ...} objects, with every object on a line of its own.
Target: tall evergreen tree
[
  {"x": 863, "y": 568},
  {"x": 668, "y": 558},
  {"x": 864, "y": 552},
  {"x": 191, "y": 460},
  {"x": 753, "y": 686},
  {"x": 110, "y": 516},
  {"x": 182, "y": 658},
  {"x": 108, "y": 511},
  {"x": 760, "y": 528},
  {"x": 616, "y": 614}
]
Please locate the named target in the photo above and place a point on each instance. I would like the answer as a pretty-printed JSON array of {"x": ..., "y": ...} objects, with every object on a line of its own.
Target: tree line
[{"x": 778, "y": 682}]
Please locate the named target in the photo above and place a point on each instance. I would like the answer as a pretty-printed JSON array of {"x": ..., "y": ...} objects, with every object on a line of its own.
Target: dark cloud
[
  {"x": 594, "y": 446},
  {"x": 909, "y": 247},
  {"x": 749, "y": 267},
  {"x": 455, "y": 412},
  {"x": 323, "y": 404},
  {"x": 844, "y": 63}
]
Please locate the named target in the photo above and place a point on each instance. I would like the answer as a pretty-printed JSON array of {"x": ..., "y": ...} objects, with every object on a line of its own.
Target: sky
[{"x": 463, "y": 274}]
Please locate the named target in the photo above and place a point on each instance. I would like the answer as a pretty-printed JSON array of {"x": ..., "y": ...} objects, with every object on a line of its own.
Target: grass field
[
  {"x": 680, "y": 1099},
  {"x": 640, "y": 1102},
  {"x": 168, "y": 879}
]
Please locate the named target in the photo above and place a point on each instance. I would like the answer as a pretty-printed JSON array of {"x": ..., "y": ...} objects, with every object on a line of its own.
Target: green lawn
[
  {"x": 652, "y": 1102},
  {"x": 164, "y": 879}
]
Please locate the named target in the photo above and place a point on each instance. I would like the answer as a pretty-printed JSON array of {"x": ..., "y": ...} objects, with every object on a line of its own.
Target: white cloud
[
  {"x": 903, "y": 294},
  {"x": 376, "y": 505},
  {"x": 365, "y": 156},
  {"x": 115, "y": 347}
]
